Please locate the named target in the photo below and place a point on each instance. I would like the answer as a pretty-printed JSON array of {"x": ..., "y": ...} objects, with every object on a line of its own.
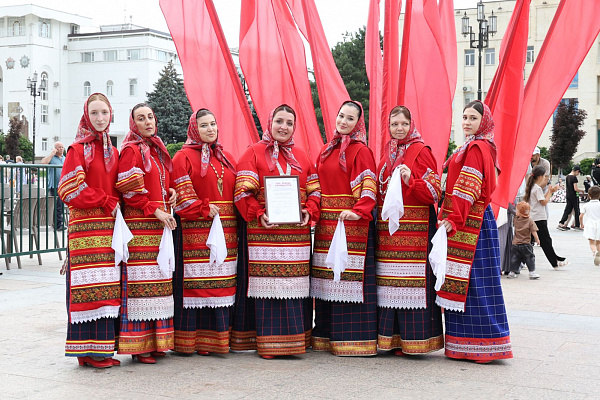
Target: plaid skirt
[
  {"x": 350, "y": 329},
  {"x": 415, "y": 331},
  {"x": 481, "y": 333},
  {"x": 92, "y": 338},
  {"x": 139, "y": 337}
]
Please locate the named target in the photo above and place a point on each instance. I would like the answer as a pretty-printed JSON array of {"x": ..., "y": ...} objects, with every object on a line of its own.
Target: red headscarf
[
  {"x": 485, "y": 132},
  {"x": 395, "y": 149},
  {"x": 135, "y": 137},
  {"x": 358, "y": 134},
  {"x": 274, "y": 147},
  {"x": 86, "y": 134},
  {"x": 194, "y": 141}
]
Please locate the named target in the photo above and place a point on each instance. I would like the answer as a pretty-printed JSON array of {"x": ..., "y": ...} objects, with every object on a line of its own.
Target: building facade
[{"x": 121, "y": 61}]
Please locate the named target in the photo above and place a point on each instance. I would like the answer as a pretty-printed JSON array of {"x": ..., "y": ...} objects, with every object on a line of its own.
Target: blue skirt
[{"x": 481, "y": 333}]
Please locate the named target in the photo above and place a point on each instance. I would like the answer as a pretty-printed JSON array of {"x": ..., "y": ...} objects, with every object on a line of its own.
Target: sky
[{"x": 337, "y": 16}]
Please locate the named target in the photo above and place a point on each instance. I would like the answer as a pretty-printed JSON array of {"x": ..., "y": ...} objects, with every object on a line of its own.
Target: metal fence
[{"x": 31, "y": 212}]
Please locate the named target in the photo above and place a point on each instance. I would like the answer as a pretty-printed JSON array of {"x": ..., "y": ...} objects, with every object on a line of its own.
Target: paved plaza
[{"x": 555, "y": 332}]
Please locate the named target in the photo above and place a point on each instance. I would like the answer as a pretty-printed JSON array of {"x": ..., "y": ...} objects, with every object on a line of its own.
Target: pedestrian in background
[
  {"x": 56, "y": 157},
  {"x": 590, "y": 222},
  {"x": 572, "y": 199},
  {"x": 522, "y": 250}
]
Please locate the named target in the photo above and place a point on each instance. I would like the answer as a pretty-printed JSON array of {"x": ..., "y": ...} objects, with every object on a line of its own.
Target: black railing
[{"x": 29, "y": 220}]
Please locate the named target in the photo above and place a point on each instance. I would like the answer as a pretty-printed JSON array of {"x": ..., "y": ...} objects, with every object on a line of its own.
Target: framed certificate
[{"x": 282, "y": 199}]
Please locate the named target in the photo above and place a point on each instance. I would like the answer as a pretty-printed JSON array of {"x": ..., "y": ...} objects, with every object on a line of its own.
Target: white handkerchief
[
  {"x": 438, "y": 255},
  {"x": 337, "y": 257},
  {"x": 121, "y": 236},
  {"x": 216, "y": 242},
  {"x": 166, "y": 254},
  {"x": 393, "y": 205}
]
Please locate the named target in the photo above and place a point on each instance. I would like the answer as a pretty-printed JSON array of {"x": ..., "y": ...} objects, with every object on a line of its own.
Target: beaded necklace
[
  {"x": 162, "y": 178},
  {"x": 382, "y": 182},
  {"x": 219, "y": 178}
]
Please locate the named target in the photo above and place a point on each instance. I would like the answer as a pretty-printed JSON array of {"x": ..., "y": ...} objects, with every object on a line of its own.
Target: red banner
[{"x": 374, "y": 64}]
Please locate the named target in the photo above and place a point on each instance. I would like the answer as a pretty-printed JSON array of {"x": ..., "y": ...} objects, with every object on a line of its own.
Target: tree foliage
[
  {"x": 11, "y": 140},
  {"x": 170, "y": 105},
  {"x": 586, "y": 166},
  {"x": 566, "y": 133},
  {"x": 25, "y": 146},
  {"x": 173, "y": 148}
]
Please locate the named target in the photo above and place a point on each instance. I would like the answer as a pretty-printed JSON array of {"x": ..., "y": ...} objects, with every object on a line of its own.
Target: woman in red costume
[
  {"x": 409, "y": 320},
  {"x": 144, "y": 179},
  {"x": 204, "y": 177},
  {"x": 346, "y": 310},
  {"x": 278, "y": 255},
  {"x": 87, "y": 186}
]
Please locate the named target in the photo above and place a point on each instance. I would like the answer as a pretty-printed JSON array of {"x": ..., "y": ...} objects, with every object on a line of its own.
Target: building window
[
  {"x": 530, "y": 54},
  {"x": 575, "y": 83},
  {"x": 16, "y": 27},
  {"x": 44, "y": 113},
  {"x": 469, "y": 58},
  {"x": 133, "y": 87},
  {"x": 87, "y": 89},
  {"x": 87, "y": 56},
  {"x": 44, "y": 87},
  {"x": 134, "y": 54},
  {"x": 109, "y": 88},
  {"x": 2, "y": 33},
  {"x": 490, "y": 56},
  {"x": 44, "y": 28},
  {"x": 110, "y": 55},
  {"x": 44, "y": 144},
  {"x": 161, "y": 55},
  {"x": 469, "y": 97}
]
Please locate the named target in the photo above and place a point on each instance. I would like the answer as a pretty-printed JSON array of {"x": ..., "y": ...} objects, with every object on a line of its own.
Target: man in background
[{"x": 56, "y": 157}]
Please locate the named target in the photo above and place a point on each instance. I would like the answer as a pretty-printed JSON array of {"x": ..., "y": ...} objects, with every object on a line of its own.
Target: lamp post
[
  {"x": 480, "y": 41},
  {"x": 35, "y": 92}
]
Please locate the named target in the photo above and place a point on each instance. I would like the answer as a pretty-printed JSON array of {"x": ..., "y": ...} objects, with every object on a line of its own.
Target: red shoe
[
  {"x": 203, "y": 353},
  {"x": 115, "y": 362},
  {"x": 268, "y": 357},
  {"x": 144, "y": 360},
  {"x": 483, "y": 361},
  {"x": 157, "y": 354},
  {"x": 399, "y": 353},
  {"x": 106, "y": 363}
]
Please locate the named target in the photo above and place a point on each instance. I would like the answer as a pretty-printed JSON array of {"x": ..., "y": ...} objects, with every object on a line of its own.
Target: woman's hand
[
  {"x": 348, "y": 215},
  {"x": 446, "y": 224},
  {"x": 165, "y": 218},
  {"x": 114, "y": 212},
  {"x": 264, "y": 221},
  {"x": 305, "y": 218},
  {"x": 214, "y": 210},
  {"x": 405, "y": 173},
  {"x": 173, "y": 198}
]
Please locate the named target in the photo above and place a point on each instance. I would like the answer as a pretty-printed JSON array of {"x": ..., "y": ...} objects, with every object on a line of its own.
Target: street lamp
[
  {"x": 480, "y": 42},
  {"x": 35, "y": 92}
]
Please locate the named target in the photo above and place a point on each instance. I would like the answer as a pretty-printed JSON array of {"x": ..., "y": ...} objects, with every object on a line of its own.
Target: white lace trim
[
  {"x": 142, "y": 273},
  {"x": 247, "y": 172},
  {"x": 184, "y": 178},
  {"x": 241, "y": 196},
  {"x": 463, "y": 196},
  {"x": 344, "y": 291},
  {"x": 77, "y": 317},
  {"x": 368, "y": 193},
  {"x": 150, "y": 309},
  {"x": 90, "y": 276},
  {"x": 76, "y": 193},
  {"x": 399, "y": 270},
  {"x": 208, "y": 302},
  {"x": 279, "y": 288},
  {"x": 71, "y": 174},
  {"x": 450, "y": 304},
  {"x": 471, "y": 170},
  {"x": 206, "y": 270},
  {"x": 401, "y": 297},
  {"x": 478, "y": 348},
  {"x": 459, "y": 270},
  {"x": 131, "y": 172},
  {"x": 287, "y": 254},
  {"x": 362, "y": 176},
  {"x": 354, "y": 262}
]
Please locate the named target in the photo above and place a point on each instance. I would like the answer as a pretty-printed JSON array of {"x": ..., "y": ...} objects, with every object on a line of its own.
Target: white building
[
  {"x": 585, "y": 87},
  {"x": 121, "y": 61}
]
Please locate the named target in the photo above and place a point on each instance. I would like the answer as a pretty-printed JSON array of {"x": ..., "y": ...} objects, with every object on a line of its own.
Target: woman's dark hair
[
  {"x": 139, "y": 105},
  {"x": 537, "y": 171},
  {"x": 352, "y": 104},
  {"x": 401, "y": 110},
  {"x": 203, "y": 112},
  {"x": 477, "y": 105},
  {"x": 286, "y": 108},
  {"x": 596, "y": 161}
]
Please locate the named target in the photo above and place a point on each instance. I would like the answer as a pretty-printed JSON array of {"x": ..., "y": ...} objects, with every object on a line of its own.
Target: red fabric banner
[
  {"x": 447, "y": 24},
  {"x": 424, "y": 84},
  {"x": 274, "y": 65},
  {"x": 374, "y": 64},
  {"x": 391, "y": 65},
  {"x": 505, "y": 95},
  {"x": 331, "y": 88},
  {"x": 573, "y": 31},
  {"x": 210, "y": 76}
]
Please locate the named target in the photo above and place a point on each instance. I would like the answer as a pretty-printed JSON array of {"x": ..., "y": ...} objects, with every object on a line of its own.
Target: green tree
[
  {"x": 173, "y": 148},
  {"x": 586, "y": 166},
  {"x": 24, "y": 145},
  {"x": 171, "y": 105},
  {"x": 566, "y": 133},
  {"x": 11, "y": 140}
]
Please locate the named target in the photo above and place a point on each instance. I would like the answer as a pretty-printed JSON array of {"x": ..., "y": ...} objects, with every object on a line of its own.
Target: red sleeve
[
  {"x": 467, "y": 188},
  {"x": 424, "y": 183},
  {"x": 73, "y": 189},
  {"x": 247, "y": 187},
  {"x": 130, "y": 182},
  {"x": 313, "y": 191},
  {"x": 188, "y": 204},
  {"x": 364, "y": 183}
]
